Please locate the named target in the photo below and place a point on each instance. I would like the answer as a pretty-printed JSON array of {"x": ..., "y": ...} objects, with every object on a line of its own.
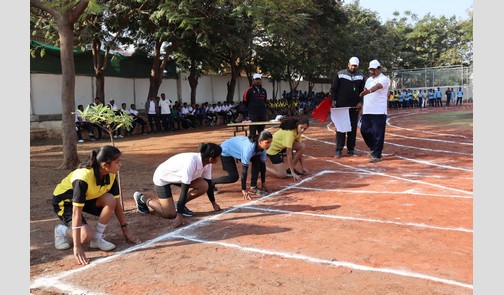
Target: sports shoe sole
[
  {"x": 104, "y": 246},
  {"x": 375, "y": 160},
  {"x": 139, "y": 205}
]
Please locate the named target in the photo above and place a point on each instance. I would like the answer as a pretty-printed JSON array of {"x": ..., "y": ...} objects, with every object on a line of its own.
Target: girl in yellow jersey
[
  {"x": 288, "y": 139},
  {"x": 92, "y": 188}
]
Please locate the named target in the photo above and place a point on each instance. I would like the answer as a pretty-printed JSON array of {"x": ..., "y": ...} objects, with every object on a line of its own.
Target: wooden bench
[{"x": 240, "y": 127}]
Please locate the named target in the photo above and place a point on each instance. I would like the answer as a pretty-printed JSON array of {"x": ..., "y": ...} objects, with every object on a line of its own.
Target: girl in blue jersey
[
  {"x": 92, "y": 188},
  {"x": 249, "y": 150}
]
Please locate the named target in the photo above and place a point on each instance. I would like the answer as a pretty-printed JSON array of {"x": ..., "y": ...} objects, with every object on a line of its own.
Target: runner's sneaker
[
  {"x": 141, "y": 205},
  {"x": 60, "y": 241},
  {"x": 102, "y": 244},
  {"x": 338, "y": 154},
  {"x": 299, "y": 173},
  {"x": 288, "y": 171},
  {"x": 216, "y": 190},
  {"x": 186, "y": 212},
  {"x": 256, "y": 191}
]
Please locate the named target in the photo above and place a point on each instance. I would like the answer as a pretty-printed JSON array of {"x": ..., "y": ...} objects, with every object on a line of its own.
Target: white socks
[
  {"x": 100, "y": 228},
  {"x": 62, "y": 229}
]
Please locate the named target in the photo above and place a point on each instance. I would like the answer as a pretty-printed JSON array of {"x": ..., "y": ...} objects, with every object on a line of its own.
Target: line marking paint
[
  {"x": 54, "y": 280},
  {"x": 421, "y": 225},
  {"x": 430, "y": 139},
  {"x": 393, "y": 176},
  {"x": 408, "y": 192},
  {"x": 333, "y": 263}
]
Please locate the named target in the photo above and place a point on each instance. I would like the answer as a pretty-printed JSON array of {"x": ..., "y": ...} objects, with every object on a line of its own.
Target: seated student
[
  {"x": 92, "y": 188},
  {"x": 137, "y": 119},
  {"x": 248, "y": 151},
  {"x": 288, "y": 139},
  {"x": 82, "y": 123},
  {"x": 188, "y": 171},
  {"x": 98, "y": 127}
]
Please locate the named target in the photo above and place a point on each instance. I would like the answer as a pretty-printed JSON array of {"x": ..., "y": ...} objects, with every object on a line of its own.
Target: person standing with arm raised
[
  {"x": 374, "y": 110},
  {"x": 345, "y": 91}
]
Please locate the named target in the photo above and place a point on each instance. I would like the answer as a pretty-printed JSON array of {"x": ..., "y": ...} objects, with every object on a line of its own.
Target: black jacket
[
  {"x": 255, "y": 98},
  {"x": 346, "y": 88}
]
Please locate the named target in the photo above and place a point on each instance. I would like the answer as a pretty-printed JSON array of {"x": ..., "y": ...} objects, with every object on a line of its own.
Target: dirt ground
[{"x": 401, "y": 226}]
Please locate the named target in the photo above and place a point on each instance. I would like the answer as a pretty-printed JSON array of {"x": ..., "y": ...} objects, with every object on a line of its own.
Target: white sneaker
[
  {"x": 81, "y": 141},
  {"x": 102, "y": 244},
  {"x": 60, "y": 241},
  {"x": 115, "y": 136}
]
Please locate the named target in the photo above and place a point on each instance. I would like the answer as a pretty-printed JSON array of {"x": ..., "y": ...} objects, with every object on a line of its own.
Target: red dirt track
[{"x": 400, "y": 226}]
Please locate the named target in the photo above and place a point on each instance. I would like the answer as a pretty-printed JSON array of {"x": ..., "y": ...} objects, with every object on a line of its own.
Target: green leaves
[{"x": 110, "y": 120}]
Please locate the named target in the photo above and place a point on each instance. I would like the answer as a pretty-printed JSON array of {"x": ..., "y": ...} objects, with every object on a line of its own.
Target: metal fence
[{"x": 428, "y": 78}]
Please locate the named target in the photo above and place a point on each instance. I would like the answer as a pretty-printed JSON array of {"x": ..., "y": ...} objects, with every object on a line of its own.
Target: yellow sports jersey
[
  {"x": 83, "y": 182},
  {"x": 283, "y": 139}
]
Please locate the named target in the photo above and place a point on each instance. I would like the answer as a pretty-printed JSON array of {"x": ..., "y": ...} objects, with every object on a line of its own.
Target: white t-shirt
[
  {"x": 376, "y": 103},
  {"x": 152, "y": 108},
  {"x": 165, "y": 107},
  {"x": 181, "y": 168},
  {"x": 133, "y": 112},
  {"x": 185, "y": 110}
]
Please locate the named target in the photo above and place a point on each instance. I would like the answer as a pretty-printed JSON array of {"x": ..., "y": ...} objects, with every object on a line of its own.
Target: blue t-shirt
[{"x": 240, "y": 147}]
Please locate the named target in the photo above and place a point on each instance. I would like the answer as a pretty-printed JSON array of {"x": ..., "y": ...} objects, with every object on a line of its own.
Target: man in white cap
[
  {"x": 345, "y": 92},
  {"x": 374, "y": 110},
  {"x": 255, "y": 99}
]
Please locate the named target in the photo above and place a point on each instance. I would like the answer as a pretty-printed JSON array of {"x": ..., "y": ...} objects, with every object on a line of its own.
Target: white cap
[
  {"x": 354, "y": 61},
  {"x": 257, "y": 76},
  {"x": 374, "y": 64}
]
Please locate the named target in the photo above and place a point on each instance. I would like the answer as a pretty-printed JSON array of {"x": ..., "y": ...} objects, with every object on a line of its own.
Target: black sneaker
[
  {"x": 299, "y": 172},
  {"x": 338, "y": 154},
  {"x": 353, "y": 153},
  {"x": 375, "y": 160},
  {"x": 216, "y": 190},
  {"x": 141, "y": 206},
  {"x": 186, "y": 212}
]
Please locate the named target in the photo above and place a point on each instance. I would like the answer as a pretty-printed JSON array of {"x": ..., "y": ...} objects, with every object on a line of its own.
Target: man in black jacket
[
  {"x": 255, "y": 98},
  {"x": 345, "y": 93}
]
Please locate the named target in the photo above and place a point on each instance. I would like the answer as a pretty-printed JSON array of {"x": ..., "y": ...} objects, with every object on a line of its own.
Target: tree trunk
[
  {"x": 310, "y": 87},
  {"x": 231, "y": 85},
  {"x": 158, "y": 66},
  {"x": 274, "y": 84},
  {"x": 193, "y": 82},
  {"x": 99, "y": 66},
  {"x": 69, "y": 136},
  {"x": 100, "y": 84}
]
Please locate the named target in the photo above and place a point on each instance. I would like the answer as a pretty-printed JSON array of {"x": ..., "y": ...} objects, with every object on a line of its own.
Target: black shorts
[
  {"x": 276, "y": 159},
  {"x": 164, "y": 191},
  {"x": 63, "y": 207}
]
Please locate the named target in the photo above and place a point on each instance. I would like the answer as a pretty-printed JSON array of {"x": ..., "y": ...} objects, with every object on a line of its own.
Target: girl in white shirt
[{"x": 188, "y": 171}]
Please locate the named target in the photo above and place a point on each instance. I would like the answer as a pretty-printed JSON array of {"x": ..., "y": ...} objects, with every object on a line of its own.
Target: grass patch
[{"x": 461, "y": 119}]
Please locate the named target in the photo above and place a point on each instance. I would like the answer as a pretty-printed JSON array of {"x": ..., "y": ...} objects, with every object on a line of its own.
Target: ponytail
[{"x": 209, "y": 150}]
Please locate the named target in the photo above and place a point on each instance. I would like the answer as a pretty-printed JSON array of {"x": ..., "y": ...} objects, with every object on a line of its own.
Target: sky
[{"x": 437, "y": 8}]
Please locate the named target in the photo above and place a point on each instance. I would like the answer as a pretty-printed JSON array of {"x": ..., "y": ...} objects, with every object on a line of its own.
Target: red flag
[{"x": 322, "y": 110}]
